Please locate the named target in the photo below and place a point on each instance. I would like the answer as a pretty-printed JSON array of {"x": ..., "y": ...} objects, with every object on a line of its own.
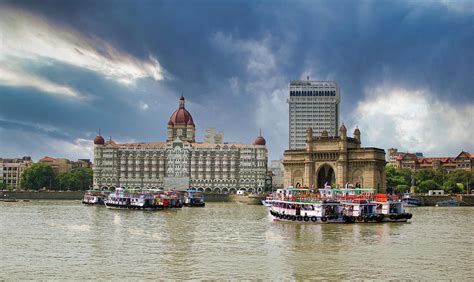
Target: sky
[{"x": 68, "y": 68}]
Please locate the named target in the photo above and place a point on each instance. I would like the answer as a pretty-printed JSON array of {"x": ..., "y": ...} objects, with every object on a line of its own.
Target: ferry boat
[
  {"x": 408, "y": 201},
  {"x": 169, "y": 199},
  {"x": 267, "y": 202},
  {"x": 93, "y": 197},
  {"x": 390, "y": 209},
  {"x": 144, "y": 200},
  {"x": 346, "y": 205},
  {"x": 193, "y": 198},
  {"x": 119, "y": 199},
  {"x": 297, "y": 204}
]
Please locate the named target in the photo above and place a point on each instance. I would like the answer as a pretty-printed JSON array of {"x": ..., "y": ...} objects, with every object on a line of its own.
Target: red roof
[{"x": 47, "y": 159}]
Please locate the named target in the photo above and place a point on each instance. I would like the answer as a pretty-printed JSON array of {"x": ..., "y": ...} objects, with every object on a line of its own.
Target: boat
[
  {"x": 390, "y": 209},
  {"x": 8, "y": 200},
  {"x": 144, "y": 200},
  {"x": 298, "y": 204},
  {"x": 267, "y": 202},
  {"x": 93, "y": 197},
  {"x": 448, "y": 203},
  {"x": 329, "y": 205},
  {"x": 193, "y": 198},
  {"x": 408, "y": 201},
  {"x": 169, "y": 199},
  {"x": 119, "y": 199}
]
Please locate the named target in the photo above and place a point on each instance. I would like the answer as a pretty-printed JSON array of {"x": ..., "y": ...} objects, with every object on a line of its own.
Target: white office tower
[
  {"x": 213, "y": 136},
  {"x": 312, "y": 104}
]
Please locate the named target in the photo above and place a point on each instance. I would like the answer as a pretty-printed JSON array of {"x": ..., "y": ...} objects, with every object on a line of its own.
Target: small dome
[
  {"x": 99, "y": 140},
  {"x": 260, "y": 141},
  {"x": 357, "y": 131}
]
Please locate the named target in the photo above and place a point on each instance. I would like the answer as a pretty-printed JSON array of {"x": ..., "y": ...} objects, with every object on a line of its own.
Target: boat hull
[
  {"x": 373, "y": 218},
  {"x": 130, "y": 207},
  {"x": 195, "y": 205}
]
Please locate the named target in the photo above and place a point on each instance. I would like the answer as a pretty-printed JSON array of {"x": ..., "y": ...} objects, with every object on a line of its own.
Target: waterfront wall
[
  {"x": 52, "y": 195},
  {"x": 77, "y": 195},
  {"x": 465, "y": 200}
]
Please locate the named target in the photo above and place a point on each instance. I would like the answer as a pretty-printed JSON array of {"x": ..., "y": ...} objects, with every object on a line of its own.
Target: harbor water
[{"x": 66, "y": 240}]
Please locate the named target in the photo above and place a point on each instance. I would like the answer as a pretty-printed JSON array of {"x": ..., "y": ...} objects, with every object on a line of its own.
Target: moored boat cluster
[
  {"x": 347, "y": 205},
  {"x": 144, "y": 199}
]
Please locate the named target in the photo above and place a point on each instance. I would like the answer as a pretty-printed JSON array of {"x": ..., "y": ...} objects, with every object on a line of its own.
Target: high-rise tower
[{"x": 313, "y": 104}]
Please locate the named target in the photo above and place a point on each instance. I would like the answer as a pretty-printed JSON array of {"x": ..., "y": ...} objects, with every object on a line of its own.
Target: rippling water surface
[{"x": 66, "y": 240}]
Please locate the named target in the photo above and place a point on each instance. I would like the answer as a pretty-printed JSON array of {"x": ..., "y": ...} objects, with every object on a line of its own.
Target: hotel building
[{"x": 181, "y": 162}]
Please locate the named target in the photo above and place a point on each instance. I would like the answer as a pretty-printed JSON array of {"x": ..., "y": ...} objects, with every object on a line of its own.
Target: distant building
[
  {"x": 393, "y": 153},
  {"x": 81, "y": 163},
  {"x": 213, "y": 136},
  {"x": 181, "y": 162},
  {"x": 58, "y": 165},
  {"x": 11, "y": 169},
  {"x": 312, "y": 104},
  {"x": 463, "y": 160},
  {"x": 278, "y": 173}
]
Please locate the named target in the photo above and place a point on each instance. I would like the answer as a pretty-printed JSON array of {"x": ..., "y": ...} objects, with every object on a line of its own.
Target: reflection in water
[{"x": 63, "y": 239}]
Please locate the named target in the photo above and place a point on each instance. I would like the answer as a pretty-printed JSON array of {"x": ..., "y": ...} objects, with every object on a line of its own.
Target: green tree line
[
  {"x": 39, "y": 176},
  {"x": 457, "y": 181}
]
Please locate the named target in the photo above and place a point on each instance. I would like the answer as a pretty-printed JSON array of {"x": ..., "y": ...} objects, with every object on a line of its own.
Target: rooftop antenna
[
  {"x": 260, "y": 132},
  {"x": 110, "y": 138},
  {"x": 307, "y": 77},
  {"x": 99, "y": 130}
]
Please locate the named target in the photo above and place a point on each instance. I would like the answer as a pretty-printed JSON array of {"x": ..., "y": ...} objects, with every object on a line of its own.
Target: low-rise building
[
  {"x": 81, "y": 163},
  {"x": 463, "y": 160},
  {"x": 58, "y": 165},
  {"x": 11, "y": 169}
]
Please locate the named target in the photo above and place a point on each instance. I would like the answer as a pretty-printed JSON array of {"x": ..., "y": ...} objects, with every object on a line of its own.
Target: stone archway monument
[{"x": 335, "y": 160}]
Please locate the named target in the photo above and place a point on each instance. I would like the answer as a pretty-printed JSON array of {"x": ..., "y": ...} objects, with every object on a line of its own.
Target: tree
[
  {"x": 37, "y": 176},
  {"x": 426, "y": 185},
  {"x": 78, "y": 179},
  {"x": 400, "y": 189},
  {"x": 423, "y": 175},
  {"x": 3, "y": 186},
  {"x": 397, "y": 177}
]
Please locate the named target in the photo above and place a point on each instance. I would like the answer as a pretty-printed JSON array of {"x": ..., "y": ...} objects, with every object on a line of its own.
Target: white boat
[
  {"x": 93, "y": 197},
  {"x": 193, "y": 198},
  {"x": 408, "y": 201},
  {"x": 119, "y": 199}
]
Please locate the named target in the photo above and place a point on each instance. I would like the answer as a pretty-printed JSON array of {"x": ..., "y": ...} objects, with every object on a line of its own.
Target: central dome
[{"x": 181, "y": 116}]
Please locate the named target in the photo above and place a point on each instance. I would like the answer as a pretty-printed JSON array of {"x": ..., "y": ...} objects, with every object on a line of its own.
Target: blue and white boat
[{"x": 193, "y": 198}]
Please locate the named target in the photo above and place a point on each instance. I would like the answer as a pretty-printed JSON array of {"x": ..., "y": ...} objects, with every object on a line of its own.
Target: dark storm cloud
[{"x": 206, "y": 49}]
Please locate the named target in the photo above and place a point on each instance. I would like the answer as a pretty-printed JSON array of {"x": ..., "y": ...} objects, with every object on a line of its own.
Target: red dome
[
  {"x": 99, "y": 140},
  {"x": 260, "y": 141},
  {"x": 181, "y": 116}
]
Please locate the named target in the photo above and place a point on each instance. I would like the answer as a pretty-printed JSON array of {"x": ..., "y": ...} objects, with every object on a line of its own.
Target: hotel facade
[{"x": 181, "y": 162}]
